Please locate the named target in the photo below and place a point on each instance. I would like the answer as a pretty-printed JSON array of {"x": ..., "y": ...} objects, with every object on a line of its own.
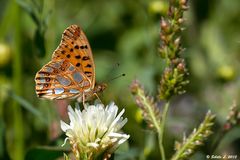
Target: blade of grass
[
  {"x": 161, "y": 131},
  {"x": 28, "y": 106},
  {"x": 17, "y": 152}
]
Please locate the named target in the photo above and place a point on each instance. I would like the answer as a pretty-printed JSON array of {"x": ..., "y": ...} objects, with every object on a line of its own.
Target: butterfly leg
[
  {"x": 98, "y": 97},
  {"x": 83, "y": 99}
]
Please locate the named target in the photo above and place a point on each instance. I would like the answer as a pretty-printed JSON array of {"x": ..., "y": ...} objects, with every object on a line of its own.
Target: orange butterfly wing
[
  {"x": 71, "y": 71},
  {"x": 76, "y": 49}
]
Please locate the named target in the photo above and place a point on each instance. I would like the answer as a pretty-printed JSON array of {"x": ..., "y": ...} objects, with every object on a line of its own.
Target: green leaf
[
  {"x": 65, "y": 156},
  {"x": 39, "y": 43},
  {"x": 44, "y": 152},
  {"x": 28, "y": 106}
]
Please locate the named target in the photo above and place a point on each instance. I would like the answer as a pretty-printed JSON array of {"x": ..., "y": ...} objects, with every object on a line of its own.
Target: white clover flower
[{"x": 95, "y": 130}]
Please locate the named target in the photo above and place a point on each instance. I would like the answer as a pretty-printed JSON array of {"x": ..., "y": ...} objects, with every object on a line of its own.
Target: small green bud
[{"x": 5, "y": 54}]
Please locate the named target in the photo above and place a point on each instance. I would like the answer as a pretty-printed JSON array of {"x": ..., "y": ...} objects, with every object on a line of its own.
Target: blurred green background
[{"x": 124, "y": 32}]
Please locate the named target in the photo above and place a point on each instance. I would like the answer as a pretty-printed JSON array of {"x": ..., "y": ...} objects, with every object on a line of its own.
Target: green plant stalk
[
  {"x": 179, "y": 153},
  {"x": 183, "y": 148},
  {"x": 218, "y": 139},
  {"x": 154, "y": 120},
  {"x": 151, "y": 112},
  {"x": 18, "y": 143},
  {"x": 65, "y": 156},
  {"x": 6, "y": 18},
  {"x": 161, "y": 130},
  {"x": 1, "y": 127}
]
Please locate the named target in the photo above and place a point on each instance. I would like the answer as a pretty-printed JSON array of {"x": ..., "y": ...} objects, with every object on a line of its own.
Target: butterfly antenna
[
  {"x": 122, "y": 75},
  {"x": 114, "y": 67}
]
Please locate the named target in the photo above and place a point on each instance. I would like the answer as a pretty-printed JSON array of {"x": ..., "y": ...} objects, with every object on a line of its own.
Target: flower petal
[
  {"x": 95, "y": 128},
  {"x": 64, "y": 126}
]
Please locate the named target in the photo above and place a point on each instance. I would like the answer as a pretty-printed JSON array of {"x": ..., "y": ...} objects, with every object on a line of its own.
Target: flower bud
[
  {"x": 5, "y": 54},
  {"x": 181, "y": 67},
  {"x": 165, "y": 26},
  {"x": 227, "y": 126},
  {"x": 158, "y": 7},
  {"x": 183, "y": 2},
  {"x": 180, "y": 20}
]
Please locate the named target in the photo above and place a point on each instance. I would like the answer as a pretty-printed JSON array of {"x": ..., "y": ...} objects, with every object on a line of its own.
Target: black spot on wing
[
  {"x": 41, "y": 94},
  {"x": 45, "y": 73},
  {"x": 88, "y": 66},
  {"x": 87, "y": 72},
  {"x": 84, "y": 47},
  {"x": 78, "y": 57},
  {"x": 85, "y": 58}
]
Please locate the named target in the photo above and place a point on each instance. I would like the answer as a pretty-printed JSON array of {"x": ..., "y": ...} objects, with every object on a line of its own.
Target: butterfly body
[{"x": 71, "y": 72}]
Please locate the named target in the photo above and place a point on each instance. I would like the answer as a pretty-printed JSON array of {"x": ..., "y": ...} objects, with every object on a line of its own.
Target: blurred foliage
[{"x": 124, "y": 32}]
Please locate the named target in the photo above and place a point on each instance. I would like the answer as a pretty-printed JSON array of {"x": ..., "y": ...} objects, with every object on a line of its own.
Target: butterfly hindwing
[{"x": 60, "y": 79}]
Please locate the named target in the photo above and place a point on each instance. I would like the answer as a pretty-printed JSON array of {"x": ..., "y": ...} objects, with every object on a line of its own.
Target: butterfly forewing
[{"x": 75, "y": 48}]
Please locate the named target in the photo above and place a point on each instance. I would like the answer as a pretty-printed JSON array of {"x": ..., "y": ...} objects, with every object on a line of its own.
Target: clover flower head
[{"x": 95, "y": 130}]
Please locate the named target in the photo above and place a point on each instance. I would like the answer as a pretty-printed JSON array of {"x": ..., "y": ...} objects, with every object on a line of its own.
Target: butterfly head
[{"x": 99, "y": 87}]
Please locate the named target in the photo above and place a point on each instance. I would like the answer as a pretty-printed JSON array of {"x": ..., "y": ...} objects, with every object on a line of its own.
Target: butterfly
[{"x": 71, "y": 72}]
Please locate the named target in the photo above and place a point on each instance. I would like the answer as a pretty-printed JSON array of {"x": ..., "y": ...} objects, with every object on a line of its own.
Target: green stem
[
  {"x": 18, "y": 142},
  {"x": 150, "y": 111},
  {"x": 159, "y": 126},
  {"x": 184, "y": 147},
  {"x": 217, "y": 141},
  {"x": 161, "y": 130},
  {"x": 1, "y": 126}
]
